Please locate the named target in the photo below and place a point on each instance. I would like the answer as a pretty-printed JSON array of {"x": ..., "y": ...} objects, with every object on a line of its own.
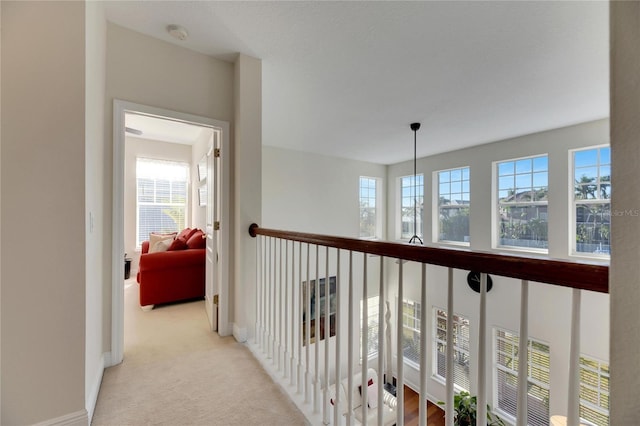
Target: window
[
  {"x": 506, "y": 356},
  {"x": 453, "y": 205},
  {"x": 592, "y": 200},
  {"x": 412, "y": 200},
  {"x": 161, "y": 197},
  {"x": 368, "y": 208},
  {"x": 594, "y": 391},
  {"x": 411, "y": 330},
  {"x": 460, "y": 341},
  {"x": 373, "y": 309},
  {"x": 522, "y": 202}
]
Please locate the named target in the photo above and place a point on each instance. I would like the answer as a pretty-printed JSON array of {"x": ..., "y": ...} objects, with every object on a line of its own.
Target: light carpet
[{"x": 177, "y": 372}]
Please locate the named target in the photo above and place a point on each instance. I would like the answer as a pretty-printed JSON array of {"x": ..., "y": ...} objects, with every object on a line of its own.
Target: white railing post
[
  {"x": 381, "y": 343},
  {"x": 287, "y": 326},
  {"x": 280, "y": 308},
  {"x": 307, "y": 329},
  {"x": 400, "y": 353},
  {"x": 573, "y": 408},
  {"x": 316, "y": 372},
  {"x": 257, "y": 306},
  {"x": 294, "y": 287},
  {"x": 449, "y": 409},
  {"x": 350, "y": 345},
  {"x": 364, "y": 330},
  {"x": 481, "y": 418},
  {"x": 523, "y": 355},
  {"x": 336, "y": 401},
  {"x": 423, "y": 348},
  {"x": 300, "y": 322},
  {"x": 327, "y": 336}
]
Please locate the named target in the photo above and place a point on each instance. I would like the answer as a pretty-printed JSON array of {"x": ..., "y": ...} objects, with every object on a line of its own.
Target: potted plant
[{"x": 465, "y": 407}]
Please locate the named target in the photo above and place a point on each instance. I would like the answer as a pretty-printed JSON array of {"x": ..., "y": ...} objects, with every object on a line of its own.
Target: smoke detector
[{"x": 178, "y": 32}]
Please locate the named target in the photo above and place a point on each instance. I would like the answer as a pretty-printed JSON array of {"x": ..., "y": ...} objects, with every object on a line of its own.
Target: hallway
[{"x": 176, "y": 372}]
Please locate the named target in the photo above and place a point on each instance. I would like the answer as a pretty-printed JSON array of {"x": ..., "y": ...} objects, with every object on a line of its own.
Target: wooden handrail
[{"x": 551, "y": 271}]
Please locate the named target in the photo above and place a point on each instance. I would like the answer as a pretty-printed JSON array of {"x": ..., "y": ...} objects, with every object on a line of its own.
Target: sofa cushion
[
  {"x": 177, "y": 244},
  {"x": 186, "y": 233},
  {"x": 160, "y": 242},
  {"x": 197, "y": 240}
]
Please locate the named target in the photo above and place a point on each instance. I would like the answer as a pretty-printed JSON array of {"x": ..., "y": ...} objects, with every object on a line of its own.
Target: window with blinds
[
  {"x": 506, "y": 377},
  {"x": 161, "y": 197},
  {"x": 373, "y": 309},
  {"x": 411, "y": 330},
  {"x": 460, "y": 339},
  {"x": 594, "y": 391}
]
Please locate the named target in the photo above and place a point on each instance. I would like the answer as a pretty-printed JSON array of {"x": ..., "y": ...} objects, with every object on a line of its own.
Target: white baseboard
[
  {"x": 79, "y": 418},
  {"x": 92, "y": 398},
  {"x": 239, "y": 333}
]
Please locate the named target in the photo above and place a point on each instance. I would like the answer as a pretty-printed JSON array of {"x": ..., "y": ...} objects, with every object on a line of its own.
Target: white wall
[
  {"x": 97, "y": 149},
  {"x": 145, "y": 148},
  {"x": 43, "y": 212},
  {"x": 152, "y": 72},
  {"x": 549, "y": 305},
  {"x": 313, "y": 193},
  {"x": 624, "y": 281}
]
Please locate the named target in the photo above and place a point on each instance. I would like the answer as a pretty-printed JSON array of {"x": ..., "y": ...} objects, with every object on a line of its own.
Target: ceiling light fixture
[
  {"x": 415, "y": 239},
  {"x": 177, "y": 32}
]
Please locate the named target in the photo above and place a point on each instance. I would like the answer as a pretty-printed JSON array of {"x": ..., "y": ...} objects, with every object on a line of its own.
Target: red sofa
[{"x": 173, "y": 275}]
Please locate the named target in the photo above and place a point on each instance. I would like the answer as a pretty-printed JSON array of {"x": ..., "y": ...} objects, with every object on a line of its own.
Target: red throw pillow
[
  {"x": 185, "y": 234},
  {"x": 197, "y": 240},
  {"x": 177, "y": 244}
]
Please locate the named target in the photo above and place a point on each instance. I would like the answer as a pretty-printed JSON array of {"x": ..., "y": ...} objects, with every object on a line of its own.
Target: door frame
[{"x": 120, "y": 108}]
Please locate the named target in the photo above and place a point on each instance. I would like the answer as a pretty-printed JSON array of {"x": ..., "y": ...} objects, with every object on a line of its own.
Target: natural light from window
[
  {"x": 453, "y": 205},
  {"x": 161, "y": 197},
  {"x": 368, "y": 208},
  {"x": 411, "y": 205}
]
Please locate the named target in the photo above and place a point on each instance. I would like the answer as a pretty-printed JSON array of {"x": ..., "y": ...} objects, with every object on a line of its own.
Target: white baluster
[
  {"x": 327, "y": 337},
  {"x": 400, "y": 352},
  {"x": 523, "y": 355},
  {"x": 573, "y": 408},
  {"x": 449, "y": 361},
  {"x": 381, "y": 343},
  {"x": 285, "y": 308},
  {"x": 337, "y": 402},
  {"x": 350, "y": 345},
  {"x": 365, "y": 341},
  {"x": 293, "y": 325},
  {"x": 300, "y": 322},
  {"x": 280, "y": 308},
  {"x": 316, "y": 375},
  {"x": 257, "y": 307},
  {"x": 424, "y": 368},
  {"x": 307, "y": 327},
  {"x": 482, "y": 351}
]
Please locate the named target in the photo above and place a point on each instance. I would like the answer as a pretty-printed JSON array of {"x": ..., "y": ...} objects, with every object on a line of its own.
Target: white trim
[
  {"x": 239, "y": 333},
  {"x": 92, "y": 398},
  {"x": 117, "y": 252},
  {"x": 71, "y": 419}
]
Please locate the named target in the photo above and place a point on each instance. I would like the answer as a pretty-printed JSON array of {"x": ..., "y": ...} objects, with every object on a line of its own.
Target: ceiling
[
  {"x": 163, "y": 130},
  {"x": 346, "y": 78}
]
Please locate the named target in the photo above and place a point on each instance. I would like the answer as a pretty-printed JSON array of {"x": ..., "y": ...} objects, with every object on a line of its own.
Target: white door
[{"x": 213, "y": 272}]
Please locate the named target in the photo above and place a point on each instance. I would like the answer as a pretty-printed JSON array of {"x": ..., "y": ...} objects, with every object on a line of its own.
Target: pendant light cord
[{"x": 415, "y": 237}]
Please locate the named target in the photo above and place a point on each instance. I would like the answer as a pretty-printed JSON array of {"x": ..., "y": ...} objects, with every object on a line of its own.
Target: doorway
[{"x": 215, "y": 191}]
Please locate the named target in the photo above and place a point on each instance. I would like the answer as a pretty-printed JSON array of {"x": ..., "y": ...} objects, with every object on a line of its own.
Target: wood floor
[{"x": 435, "y": 415}]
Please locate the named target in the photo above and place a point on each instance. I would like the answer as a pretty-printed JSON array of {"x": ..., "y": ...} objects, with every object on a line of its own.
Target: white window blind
[
  {"x": 507, "y": 362},
  {"x": 373, "y": 309},
  {"x": 594, "y": 391},
  {"x": 411, "y": 331},
  {"x": 460, "y": 339},
  {"x": 161, "y": 197}
]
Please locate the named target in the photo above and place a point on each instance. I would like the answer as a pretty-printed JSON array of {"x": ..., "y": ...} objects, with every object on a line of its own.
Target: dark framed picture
[{"x": 318, "y": 308}]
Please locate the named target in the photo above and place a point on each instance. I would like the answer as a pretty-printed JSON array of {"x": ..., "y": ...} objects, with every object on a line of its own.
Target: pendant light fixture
[{"x": 415, "y": 239}]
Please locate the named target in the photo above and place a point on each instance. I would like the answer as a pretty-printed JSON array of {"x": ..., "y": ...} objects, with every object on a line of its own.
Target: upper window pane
[
  {"x": 523, "y": 187},
  {"x": 412, "y": 202},
  {"x": 453, "y": 205},
  {"x": 368, "y": 208}
]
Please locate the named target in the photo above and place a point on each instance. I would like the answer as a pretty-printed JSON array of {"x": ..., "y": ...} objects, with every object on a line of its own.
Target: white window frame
[
  {"x": 599, "y": 390},
  {"x": 457, "y": 348},
  {"x": 378, "y": 208},
  {"x": 415, "y": 328},
  {"x": 373, "y": 310},
  {"x": 419, "y": 218},
  {"x": 547, "y": 386},
  {"x": 139, "y": 203},
  {"x": 497, "y": 204},
  {"x": 436, "y": 204},
  {"x": 575, "y": 202}
]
